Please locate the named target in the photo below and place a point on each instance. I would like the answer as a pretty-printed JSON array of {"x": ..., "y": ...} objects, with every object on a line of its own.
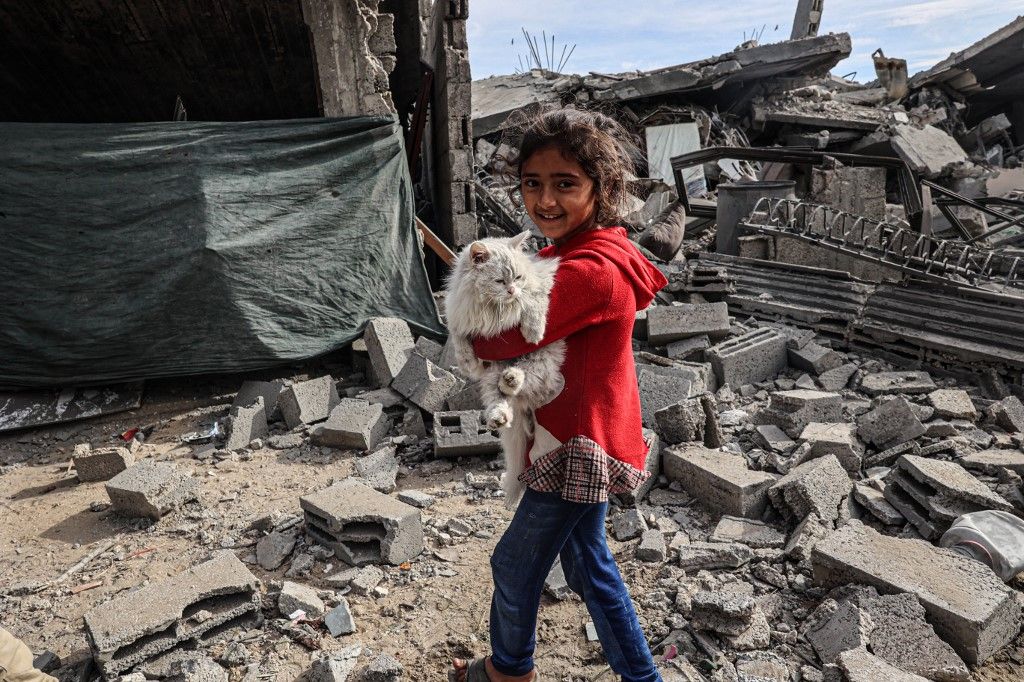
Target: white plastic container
[{"x": 995, "y": 538}]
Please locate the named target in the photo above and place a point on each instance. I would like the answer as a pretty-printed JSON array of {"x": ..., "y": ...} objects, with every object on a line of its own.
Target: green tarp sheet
[{"x": 132, "y": 251}]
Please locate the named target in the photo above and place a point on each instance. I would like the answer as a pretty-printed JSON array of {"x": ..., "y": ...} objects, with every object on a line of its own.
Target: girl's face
[{"x": 558, "y": 193}]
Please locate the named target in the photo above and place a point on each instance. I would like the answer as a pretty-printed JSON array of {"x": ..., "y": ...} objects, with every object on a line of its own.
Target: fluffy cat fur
[{"x": 494, "y": 287}]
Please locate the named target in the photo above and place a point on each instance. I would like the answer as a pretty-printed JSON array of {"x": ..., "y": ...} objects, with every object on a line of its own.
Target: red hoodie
[{"x": 601, "y": 282}]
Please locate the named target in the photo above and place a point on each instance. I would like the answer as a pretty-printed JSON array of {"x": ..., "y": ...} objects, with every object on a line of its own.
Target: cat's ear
[
  {"x": 479, "y": 253},
  {"x": 520, "y": 239}
]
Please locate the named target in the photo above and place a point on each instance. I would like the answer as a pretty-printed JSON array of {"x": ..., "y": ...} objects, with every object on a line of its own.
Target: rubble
[
  {"x": 425, "y": 384},
  {"x": 894, "y": 421},
  {"x": 906, "y": 383},
  {"x": 460, "y": 434},
  {"x": 816, "y": 487},
  {"x": 792, "y": 411},
  {"x": 354, "y": 424},
  {"x": 246, "y": 423},
  {"x": 270, "y": 391},
  {"x": 835, "y": 439},
  {"x": 747, "y": 359},
  {"x": 102, "y": 464},
  {"x": 151, "y": 489},
  {"x": 666, "y": 324},
  {"x": 389, "y": 343},
  {"x": 721, "y": 481},
  {"x": 295, "y": 597},
  {"x": 308, "y": 402}
]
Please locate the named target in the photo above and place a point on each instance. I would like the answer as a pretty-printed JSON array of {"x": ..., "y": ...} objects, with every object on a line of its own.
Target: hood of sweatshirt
[{"x": 613, "y": 244}]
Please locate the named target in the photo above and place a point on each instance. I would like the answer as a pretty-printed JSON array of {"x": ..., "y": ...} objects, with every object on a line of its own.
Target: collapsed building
[{"x": 830, "y": 381}]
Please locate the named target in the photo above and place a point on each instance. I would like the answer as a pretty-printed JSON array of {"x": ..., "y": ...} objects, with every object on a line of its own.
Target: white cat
[{"x": 494, "y": 287}]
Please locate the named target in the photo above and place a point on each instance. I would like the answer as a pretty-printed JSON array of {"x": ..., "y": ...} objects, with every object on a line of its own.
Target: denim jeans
[{"x": 545, "y": 527}]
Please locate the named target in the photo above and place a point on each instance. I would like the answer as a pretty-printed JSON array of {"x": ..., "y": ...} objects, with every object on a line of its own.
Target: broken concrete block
[
  {"x": 652, "y": 465},
  {"x": 815, "y": 487},
  {"x": 755, "y": 638},
  {"x": 102, "y": 464},
  {"x": 888, "y": 457},
  {"x": 666, "y": 324},
  {"x": 426, "y": 384},
  {"x": 771, "y": 437},
  {"x": 151, "y": 489},
  {"x": 308, "y": 402},
  {"x": 727, "y": 613},
  {"x": 932, "y": 494},
  {"x": 835, "y": 439},
  {"x": 334, "y": 666},
  {"x": 353, "y": 424},
  {"x": 628, "y": 525},
  {"x": 805, "y": 536},
  {"x": 295, "y": 597},
  {"x": 874, "y": 502},
  {"x": 555, "y": 584},
  {"x": 755, "y": 356},
  {"x": 815, "y": 359},
  {"x": 756, "y": 534},
  {"x": 198, "y": 668},
  {"x": 379, "y": 469},
  {"x": 687, "y": 348},
  {"x": 138, "y": 625},
  {"x": 793, "y": 410},
  {"x": 659, "y": 389},
  {"x": 389, "y": 344},
  {"x": 429, "y": 349},
  {"x": 698, "y": 556},
  {"x": 929, "y": 151},
  {"x": 366, "y": 579},
  {"x": 841, "y": 628},
  {"x": 905, "y": 639},
  {"x": 889, "y": 383},
  {"x": 967, "y": 603},
  {"x": 861, "y": 666},
  {"x": 383, "y": 668},
  {"x": 720, "y": 480},
  {"x": 246, "y": 423},
  {"x": 416, "y": 498},
  {"x": 1008, "y": 414},
  {"x": 462, "y": 434},
  {"x": 465, "y": 398},
  {"x": 361, "y": 525},
  {"x": 837, "y": 379},
  {"x": 890, "y": 423},
  {"x": 273, "y": 549},
  {"x": 991, "y": 461},
  {"x": 681, "y": 422},
  {"x": 953, "y": 403},
  {"x": 413, "y": 424},
  {"x": 714, "y": 437},
  {"x": 270, "y": 391},
  {"x": 652, "y": 547}
]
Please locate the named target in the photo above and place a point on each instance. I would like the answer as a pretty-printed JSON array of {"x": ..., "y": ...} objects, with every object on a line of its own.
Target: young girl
[{"x": 573, "y": 167}]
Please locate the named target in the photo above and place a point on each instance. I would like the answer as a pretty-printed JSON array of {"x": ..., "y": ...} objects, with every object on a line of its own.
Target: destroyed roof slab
[{"x": 496, "y": 97}]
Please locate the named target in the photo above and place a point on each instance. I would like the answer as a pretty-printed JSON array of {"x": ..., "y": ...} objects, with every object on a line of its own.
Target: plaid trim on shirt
[{"x": 582, "y": 472}]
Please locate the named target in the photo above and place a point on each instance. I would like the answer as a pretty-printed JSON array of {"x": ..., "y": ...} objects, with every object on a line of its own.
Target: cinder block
[
  {"x": 425, "y": 384},
  {"x": 462, "y": 434},
  {"x": 246, "y": 423},
  {"x": 308, "y": 402},
  {"x": 888, "y": 383},
  {"x": 835, "y": 439},
  {"x": 138, "y": 625},
  {"x": 389, "y": 344},
  {"x": 838, "y": 378},
  {"x": 353, "y": 424},
  {"x": 429, "y": 349},
  {"x": 815, "y": 487},
  {"x": 967, "y": 603},
  {"x": 953, "y": 403},
  {"x": 815, "y": 359},
  {"x": 666, "y": 324},
  {"x": 659, "y": 389},
  {"x": 465, "y": 397},
  {"x": 720, "y": 480},
  {"x": 747, "y": 359},
  {"x": 890, "y": 423},
  {"x": 361, "y": 525},
  {"x": 682, "y": 422},
  {"x": 793, "y": 410},
  {"x": 151, "y": 489},
  {"x": 102, "y": 464},
  {"x": 686, "y": 348},
  {"x": 270, "y": 391},
  {"x": 774, "y": 438}
]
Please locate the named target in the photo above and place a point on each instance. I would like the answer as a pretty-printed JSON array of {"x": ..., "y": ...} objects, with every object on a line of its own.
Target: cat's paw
[
  {"x": 532, "y": 333},
  {"x": 498, "y": 417},
  {"x": 512, "y": 381}
]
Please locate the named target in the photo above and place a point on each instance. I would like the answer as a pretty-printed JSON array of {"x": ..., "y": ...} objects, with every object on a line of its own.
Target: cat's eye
[
  {"x": 518, "y": 277},
  {"x": 499, "y": 281}
]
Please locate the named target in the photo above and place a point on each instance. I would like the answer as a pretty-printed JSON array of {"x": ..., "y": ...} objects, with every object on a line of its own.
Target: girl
[{"x": 574, "y": 167}]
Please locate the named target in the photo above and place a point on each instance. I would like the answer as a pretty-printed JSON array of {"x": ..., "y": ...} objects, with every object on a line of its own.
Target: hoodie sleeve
[{"x": 579, "y": 298}]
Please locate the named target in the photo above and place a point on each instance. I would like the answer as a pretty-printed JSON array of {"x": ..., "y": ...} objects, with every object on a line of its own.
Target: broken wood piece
[
  {"x": 86, "y": 586},
  {"x": 435, "y": 244}
]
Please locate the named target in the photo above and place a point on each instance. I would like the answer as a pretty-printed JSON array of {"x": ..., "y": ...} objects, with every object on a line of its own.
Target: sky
[{"x": 613, "y": 36}]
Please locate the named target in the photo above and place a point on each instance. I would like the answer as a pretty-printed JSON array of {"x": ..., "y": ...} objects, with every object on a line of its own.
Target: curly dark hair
[{"x": 598, "y": 143}]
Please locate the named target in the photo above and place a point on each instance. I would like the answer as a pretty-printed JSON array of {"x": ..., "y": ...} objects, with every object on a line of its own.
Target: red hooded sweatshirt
[{"x": 601, "y": 283}]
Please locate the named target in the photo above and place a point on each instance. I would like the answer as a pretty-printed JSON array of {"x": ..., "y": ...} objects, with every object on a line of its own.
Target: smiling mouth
[{"x": 549, "y": 216}]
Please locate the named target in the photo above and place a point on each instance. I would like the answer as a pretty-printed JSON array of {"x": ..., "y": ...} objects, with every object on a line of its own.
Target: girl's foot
[{"x": 492, "y": 674}]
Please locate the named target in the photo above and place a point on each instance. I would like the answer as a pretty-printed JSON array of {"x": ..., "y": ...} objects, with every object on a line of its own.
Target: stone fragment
[
  {"x": 389, "y": 344},
  {"x": 756, "y": 534},
  {"x": 273, "y": 549},
  {"x": 838, "y": 627},
  {"x": 465, "y": 398},
  {"x": 628, "y": 525},
  {"x": 652, "y": 547},
  {"x": 666, "y": 324},
  {"x": 774, "y": 438},
  {"x": 1008, "y": 414},
  {"x": 197, "y": 669},
  {"x": 762, "y": 666},
  {"x": 555, "y": 584},
  {"x": 815, "y": 359},
  {"x": 379, "y": 469},
  {"x": 426, "y": 384},
  {"x": 429, "y": 349},
  {"x": 286, "y": 441},
  {"x": 652, "y": 465},
  {"x": 966, "y": 602},
  {"x": 888, "y": 457},
  {"x": 270, "y": 391},
  {"x": 308, "y": 402},
  {"x": 246, "y": 423},
  {"x": 366, "y": 579},
  {"x": 719, "y": 480},
  {"x": 353, "y": 424},
  {"x": 681, "y": 422},
  {"x": 874, "y": 502},
  {"x": 837, "y": 379},
  {"x": 727, "y": 613},
  {"x": 334, "y": 666},
  {"x": 754, "y": 638},
  {"x": 687, "y": 348},
  {"x": 714, "y": 437},
  {"x": 805, "y": 536},
  {"x": 151, "y": 489},
  {"x": 888, "y": 383},
  {"x": 413, "y": 424},
  {"x": 815, "y": 487},
  {"x": 699, "y": 556},
  {"x": 659, "y": 389},
  {"x": 890, "y": 423},
  {"x": 991, "y": 461},
  {"x": 953, "y": 403},
  {"x": 383, "y": 668},
  {"x": 747, "y": 359},
  {"x": 416, "y": 498},
  {"x": 102, "y": 464},
  {"x": 295, "y": 597},
  {"x": 928, "y": 150},
  {"x": 121, "y": 631},
  {"x": 386, "y": 397},
  {"x": 793, "y": 410},
  {"x": 860, "y": 666},
  {"x": 463, "y": 434},
  {"x": 361, "y": 525},
  {"x": 834, "y": 439}
]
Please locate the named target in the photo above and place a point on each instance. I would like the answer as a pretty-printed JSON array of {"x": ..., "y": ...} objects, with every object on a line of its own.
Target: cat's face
[
  {"x": 557, "y": 193},
  {"x": 499, "y": 268}
]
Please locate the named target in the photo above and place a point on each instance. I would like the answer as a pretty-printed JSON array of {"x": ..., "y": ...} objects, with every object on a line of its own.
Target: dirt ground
[{"x": 435, "y": 609}]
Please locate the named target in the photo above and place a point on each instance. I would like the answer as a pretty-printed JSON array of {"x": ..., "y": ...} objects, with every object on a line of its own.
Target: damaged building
[{"x": 234, "y": 440}]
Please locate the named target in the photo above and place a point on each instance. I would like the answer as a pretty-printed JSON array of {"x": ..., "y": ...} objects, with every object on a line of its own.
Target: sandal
[{"x": 476, "y": 671}]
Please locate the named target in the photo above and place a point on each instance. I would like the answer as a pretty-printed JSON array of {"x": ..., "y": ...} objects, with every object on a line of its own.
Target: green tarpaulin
[{"x": 131, "y": 251}]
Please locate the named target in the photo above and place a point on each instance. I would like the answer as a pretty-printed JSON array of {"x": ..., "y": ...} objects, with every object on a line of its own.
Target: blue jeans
[{"x": 545, "y": 527}]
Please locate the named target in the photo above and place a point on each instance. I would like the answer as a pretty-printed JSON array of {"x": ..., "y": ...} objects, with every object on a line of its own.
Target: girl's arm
[{"x": 579, "y": 298}]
